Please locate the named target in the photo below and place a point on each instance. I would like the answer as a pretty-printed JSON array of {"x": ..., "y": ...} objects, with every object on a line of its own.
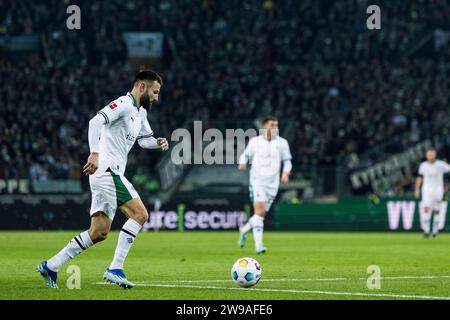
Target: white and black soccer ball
[{"x": 246, "y": 272}]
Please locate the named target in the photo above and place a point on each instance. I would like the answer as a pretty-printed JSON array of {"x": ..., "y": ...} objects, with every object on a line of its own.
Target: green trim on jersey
[
  {"x": 104, "y": 116},
  {"x": 134, "y": 100},
  {"x": 122, "y": 193}
]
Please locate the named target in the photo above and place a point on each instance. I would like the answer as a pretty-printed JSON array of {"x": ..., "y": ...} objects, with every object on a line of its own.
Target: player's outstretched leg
[
  {"x": 49, "y": 268},
  {"x": 137, "y": 215},
  {"x": 100, "y": 225},
  {"x": 435, "y": 230},
  {"x": 243, "y": 233}
]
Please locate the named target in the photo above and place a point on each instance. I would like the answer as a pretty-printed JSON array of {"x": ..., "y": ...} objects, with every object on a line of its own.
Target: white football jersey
[
  {"x": 265, "y": 157},
  {"x": 433, "y": 176},
  {"x": 125, "y": 123}
]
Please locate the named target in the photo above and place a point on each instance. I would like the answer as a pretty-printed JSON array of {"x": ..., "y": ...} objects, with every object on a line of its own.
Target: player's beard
[{"x": 145, "y": 102}]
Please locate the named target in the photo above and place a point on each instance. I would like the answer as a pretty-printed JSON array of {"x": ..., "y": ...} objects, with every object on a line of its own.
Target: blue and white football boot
[
  {"x": 242, "y": 239},
  {"x": 49, "y": 276},
  {"x": 118, "y": 277}
]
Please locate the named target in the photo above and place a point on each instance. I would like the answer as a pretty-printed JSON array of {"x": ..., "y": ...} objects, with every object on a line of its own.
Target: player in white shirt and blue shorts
[
  {"x": 431, "y": 178},
  {"x": 112, "y": 133},
  {"x": 268, "y": 154}
]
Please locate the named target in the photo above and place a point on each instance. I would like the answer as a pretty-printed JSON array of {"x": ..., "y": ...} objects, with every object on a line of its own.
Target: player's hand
[
  {"x": 417, "y": 194},
  {"x": 285, "y": 177},
  {"x": 242, "y": 167},
  {"x": 92, "y": 164},
  {"x": 162, "y": 142}
]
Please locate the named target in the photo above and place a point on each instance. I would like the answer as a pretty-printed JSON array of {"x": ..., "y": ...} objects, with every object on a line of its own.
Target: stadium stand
[{"x": 341, "y": 88}]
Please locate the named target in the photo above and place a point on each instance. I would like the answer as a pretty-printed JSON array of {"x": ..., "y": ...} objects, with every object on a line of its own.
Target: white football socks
[
  {"x": 435, "y": 224},
  {"x": 426, "y": 224},
  {"x": 126, "y": 238},
  {"x": 246, "y": 228},
  {"x": 257, "y": 223},
  {"x": 77, "y": 245}
]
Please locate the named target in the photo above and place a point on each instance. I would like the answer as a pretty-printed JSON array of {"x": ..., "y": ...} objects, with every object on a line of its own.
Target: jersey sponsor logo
[{"x": 112, "y": 105}]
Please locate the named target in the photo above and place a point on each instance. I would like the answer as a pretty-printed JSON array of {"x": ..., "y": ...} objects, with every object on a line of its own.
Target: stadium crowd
[{"x": 347, "y": 89}]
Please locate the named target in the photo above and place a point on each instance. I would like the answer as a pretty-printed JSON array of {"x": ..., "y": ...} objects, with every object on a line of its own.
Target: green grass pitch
[{"x": 196, "y": 265}]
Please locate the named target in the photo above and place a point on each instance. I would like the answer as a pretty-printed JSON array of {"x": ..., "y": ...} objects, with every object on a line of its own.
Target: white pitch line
[
  {"x": 228, "y": 280},
  {"x": 332, "y": 293},
  {"x": 410, "y": 277},
  {"x": 300, "y": 279}
]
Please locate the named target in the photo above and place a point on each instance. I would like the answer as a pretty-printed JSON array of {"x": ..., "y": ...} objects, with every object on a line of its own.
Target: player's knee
[
  {"x": 142, "y": 216},
  {"x": 139, "y": 215},
  {"x": 261, "y": 213},
  {"x": 145, "y": 216},
  {"x": 259, "y": 209}
]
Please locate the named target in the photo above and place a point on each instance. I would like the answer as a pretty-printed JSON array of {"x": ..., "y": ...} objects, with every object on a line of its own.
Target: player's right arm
[
  {"x": 418, "y": 184},
  {"x": 107, "y": 115},
  {"x": 246, "y": 156},
  {"x": 419, "y": 181},
  {"x": 95, "y": 129},
  {"x": 286, "y": 161},
  {"x": 445, "y": 167}
]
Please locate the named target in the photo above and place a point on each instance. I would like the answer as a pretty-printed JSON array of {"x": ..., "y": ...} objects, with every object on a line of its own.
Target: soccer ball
[{"x": 246, "y": 272}]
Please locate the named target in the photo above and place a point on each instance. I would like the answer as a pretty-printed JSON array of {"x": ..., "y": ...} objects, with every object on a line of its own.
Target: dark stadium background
[{"x": 357, "y": 106}]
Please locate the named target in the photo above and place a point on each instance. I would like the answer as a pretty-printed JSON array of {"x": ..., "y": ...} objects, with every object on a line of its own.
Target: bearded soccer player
[
  {"x": 112, "y": 133},
  {"x": 431, "y": 178},
  {"x": 268, "y": 154}
]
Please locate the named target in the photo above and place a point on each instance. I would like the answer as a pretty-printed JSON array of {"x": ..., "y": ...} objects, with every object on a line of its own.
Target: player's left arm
[
  {"x": 286, "y": 161},
  {"x": 445, "y": 167},
  {"x": 146, "y": 140}
]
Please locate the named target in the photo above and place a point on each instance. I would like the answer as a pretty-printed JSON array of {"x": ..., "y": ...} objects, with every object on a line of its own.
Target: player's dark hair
[
  {"x": 148, "y": 75},
  {"x": 269, "y": 118},
  {"x": 431, "y": 149}
]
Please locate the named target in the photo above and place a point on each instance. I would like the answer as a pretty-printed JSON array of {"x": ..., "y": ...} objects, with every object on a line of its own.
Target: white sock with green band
[
  {"x": 126, "y": 238},
  {"x": 77, "y": 245}
]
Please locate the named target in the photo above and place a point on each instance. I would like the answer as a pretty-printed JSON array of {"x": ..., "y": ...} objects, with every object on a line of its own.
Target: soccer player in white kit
[
  {"x": 431, "y": 178},
  {"x": 267, "y": 153},
  {"x": 112, "y": 133}
]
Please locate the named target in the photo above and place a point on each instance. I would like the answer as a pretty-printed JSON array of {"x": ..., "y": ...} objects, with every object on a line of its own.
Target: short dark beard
[{"x": 145, "y": 101}]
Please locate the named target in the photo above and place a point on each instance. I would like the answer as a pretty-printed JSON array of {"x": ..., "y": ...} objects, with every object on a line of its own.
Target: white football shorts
[
  {"x": 109, "y": 191},
  {"x": 432, "y": 200},
  {"x": 261, "y": 193}
]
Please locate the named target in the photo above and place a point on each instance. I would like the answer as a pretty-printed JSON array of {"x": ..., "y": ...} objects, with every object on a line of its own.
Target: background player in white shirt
[
  {"x": 266, "y": 153},
  {"x": 112, "y": 133},
  {"x": 431, "y": 178}
]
